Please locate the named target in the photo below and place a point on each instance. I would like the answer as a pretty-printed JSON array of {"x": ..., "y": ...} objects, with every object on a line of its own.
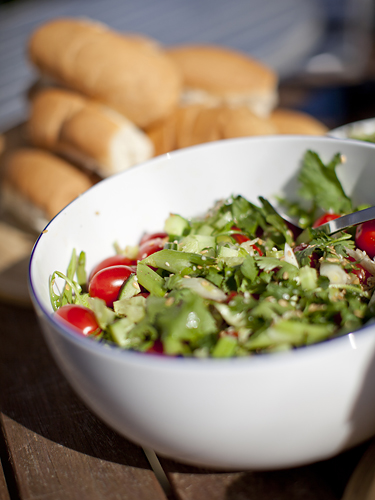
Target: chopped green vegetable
[
  {"x": 235, "y": 282},
  {"x": 320, "y": 183}
]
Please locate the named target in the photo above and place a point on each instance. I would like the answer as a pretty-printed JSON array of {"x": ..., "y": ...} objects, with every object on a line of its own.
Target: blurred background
[{"x": 322, "y": 50}]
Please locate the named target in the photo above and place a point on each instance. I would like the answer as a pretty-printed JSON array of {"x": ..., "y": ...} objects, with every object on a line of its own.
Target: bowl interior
[
  {"x": 350, "y": 130},
  {"x": 121, "y": 208}
]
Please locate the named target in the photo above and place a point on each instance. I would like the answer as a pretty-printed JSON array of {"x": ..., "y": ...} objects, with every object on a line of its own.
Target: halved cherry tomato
[
  {"x": 156, "y": 348},
  {"x": 115, "y": 260},
  {"x": 80, "y": 318},
  {"x": 361, "y": 272},
  {"x": 231, "y": 296},
  {"x": 257, "y": 249},
  {"x": 106, "y": 283},
  {"x": 325, "y": 218},
  {"x": 149, "y": 247},
  {"x": 153, "y": 236},
  {"x": 314, "y": 257},
  {"x": 365, "y": 237},
  {"x": 241, "y": 238},
  {"x": 231, "y": 333}
]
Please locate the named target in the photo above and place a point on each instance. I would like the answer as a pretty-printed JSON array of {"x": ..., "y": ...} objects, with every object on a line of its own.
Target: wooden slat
[
  {"x": 324, "y": 480},
  {"x": 361, "y": 485},
  {"x": 4, "y": 494},
  {"x": 58, "y": 448},
  {"x": 194, "y": 484}
]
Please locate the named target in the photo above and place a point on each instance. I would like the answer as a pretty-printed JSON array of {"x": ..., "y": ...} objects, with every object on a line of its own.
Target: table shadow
[{"x": 34, "y": 393}]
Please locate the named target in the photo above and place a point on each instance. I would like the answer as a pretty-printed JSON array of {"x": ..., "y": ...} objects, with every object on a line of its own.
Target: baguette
[
  {"x": 241, "y": 122},
  {"x": 36, "y": 185},
  {"x": 214, "y": 75},
  {"x": 85, "y": 132},
  {"x": 130, "y": 74},
  {"x": 289, "y": 121},
  {"x": 197, "y": 124}
]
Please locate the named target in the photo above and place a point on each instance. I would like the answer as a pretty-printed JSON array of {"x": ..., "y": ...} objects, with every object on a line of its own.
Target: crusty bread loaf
[
  {"x": 163, "y": 134},
  {"x": 289, "y": 121},
  {"x": 86, "y": 132},
  {"x": 36, "y": 185},
  {"x": 215, "y": 75},
  {"x": 241, "y": 122},
  {"x": 130, "y": 74},
  {"x": 197, "y": 124}
]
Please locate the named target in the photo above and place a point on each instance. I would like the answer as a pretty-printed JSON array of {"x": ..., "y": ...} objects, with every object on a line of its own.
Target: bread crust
[
  {"x": 44, "y": 180},
  {"x": 197, "y": 124},
  {"x": 130, "y": 74},
  {"x": 216, "y": 75},
  {"x": 289, "y": 121},
  {"x": 163, "y": 135},
  {"x": 241, "y": 122},
  {"x": 85, "y": 132},
  {"x": 221, "y": 70},
  {"x": 50, "y": 109}
]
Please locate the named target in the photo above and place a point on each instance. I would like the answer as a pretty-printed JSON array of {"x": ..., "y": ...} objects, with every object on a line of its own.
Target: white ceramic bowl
[
  {"x": 271, "y": 411},
  {"x": 350, "y": 130}
]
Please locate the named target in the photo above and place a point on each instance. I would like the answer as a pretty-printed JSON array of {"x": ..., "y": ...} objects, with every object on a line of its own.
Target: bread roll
[
  {"x": 214, "y": 75},
  {"x": 130, "y": 74},
  {"x": 197, "y": 124},
  {"x": 162, "y": 134},
  {"x": 289, "y": 121},
  {"x": 86, "y": 132},
  {"x": 36, "y": 185},
  {"x": 241, "y": 122},
  {"x": 187, "y": 126}
]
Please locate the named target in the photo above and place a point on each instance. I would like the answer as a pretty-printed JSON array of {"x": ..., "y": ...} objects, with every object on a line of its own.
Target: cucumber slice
[
  {"x": 130, "y": 288},
  {"x": 150, "y": 280},
  {"x": 176, "y": 225}
]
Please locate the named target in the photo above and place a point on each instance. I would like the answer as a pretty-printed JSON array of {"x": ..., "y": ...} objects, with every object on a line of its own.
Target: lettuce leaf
[{"x": 320, "y": 183}]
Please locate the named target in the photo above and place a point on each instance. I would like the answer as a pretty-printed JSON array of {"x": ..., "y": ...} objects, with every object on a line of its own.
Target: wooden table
[{"x": 53, "y": 447}]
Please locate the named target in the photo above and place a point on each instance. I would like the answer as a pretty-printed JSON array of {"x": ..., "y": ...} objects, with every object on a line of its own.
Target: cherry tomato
[
  {"x": 361, "y": 272},
  {"x": 257, "y": 249},
  {"x": 106, "y": 283},
  {"x": 231, "y": 296},
  {"x": 149, "y": 247},
  {"x": 365, "y": 237},
  {"x": 115, "y": 260},
  {"x": 80, "y": 318},
  {"x": 153, "y": 236},
  {"x": 314, "y": 257},
  {"x": 325, "y": 218},
  {"x": 241, "y": 238},
  {"x": 231, "y": 333},
  {"x": 156, "y": 348}
]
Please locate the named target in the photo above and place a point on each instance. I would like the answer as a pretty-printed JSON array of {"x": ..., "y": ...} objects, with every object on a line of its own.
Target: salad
[
  {"x": 234, "y": 282},
  {"x": 364, "y": 137}
]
